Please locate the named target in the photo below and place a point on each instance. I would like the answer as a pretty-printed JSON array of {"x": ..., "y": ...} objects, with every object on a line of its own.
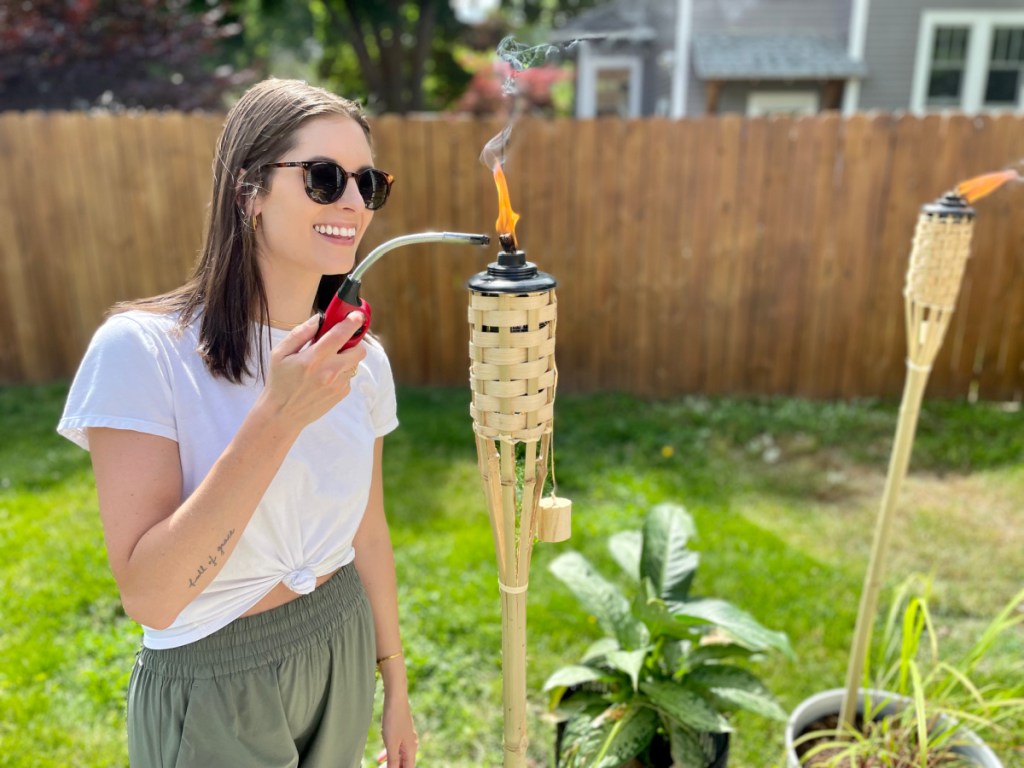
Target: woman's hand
[
  {"x": 399, "y": 733},
  {"x": 305, "y": 382}
]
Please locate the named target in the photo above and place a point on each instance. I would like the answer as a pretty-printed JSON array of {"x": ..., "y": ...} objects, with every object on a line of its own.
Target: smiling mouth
[{"x": 331, "y": 231}]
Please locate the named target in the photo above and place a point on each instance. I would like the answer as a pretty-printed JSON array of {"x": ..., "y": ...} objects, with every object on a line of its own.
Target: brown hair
[{"x": 226, "y": 285}]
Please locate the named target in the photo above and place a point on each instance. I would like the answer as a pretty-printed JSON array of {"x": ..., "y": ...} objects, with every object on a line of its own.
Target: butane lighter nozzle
[{"x": 421, "y": 237}]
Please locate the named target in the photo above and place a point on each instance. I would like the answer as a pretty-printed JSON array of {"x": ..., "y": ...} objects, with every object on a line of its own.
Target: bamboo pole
[{"x": 937, "y": 261}]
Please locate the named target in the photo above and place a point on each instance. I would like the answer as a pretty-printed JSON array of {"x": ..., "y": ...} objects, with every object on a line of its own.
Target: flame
[
  {"x": 507, "y": 218},
  {"x": 978, "y": 187}
]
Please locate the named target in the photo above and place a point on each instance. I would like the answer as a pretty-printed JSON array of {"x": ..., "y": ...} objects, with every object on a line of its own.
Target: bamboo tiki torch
[
  {"x": 512, "y": 309},
  {"x": 941, "y": 245}
]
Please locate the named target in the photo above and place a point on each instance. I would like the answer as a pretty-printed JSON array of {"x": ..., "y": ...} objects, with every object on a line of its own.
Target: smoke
[{"x": 514, "y": 58}]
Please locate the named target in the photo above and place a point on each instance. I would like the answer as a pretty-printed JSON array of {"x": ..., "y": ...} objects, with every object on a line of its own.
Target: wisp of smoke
[{"x": 519, "y": 57}]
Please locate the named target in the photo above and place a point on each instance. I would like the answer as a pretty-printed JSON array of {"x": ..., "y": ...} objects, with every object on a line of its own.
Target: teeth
[{"x": 325, "y": 229}]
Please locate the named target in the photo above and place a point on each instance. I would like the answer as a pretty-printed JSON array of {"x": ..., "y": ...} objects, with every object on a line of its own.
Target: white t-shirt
[{"x": 142, "y": 372}]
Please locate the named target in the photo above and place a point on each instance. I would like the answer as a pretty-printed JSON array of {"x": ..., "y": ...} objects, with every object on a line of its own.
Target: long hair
[{"x": 226, "y": 286}]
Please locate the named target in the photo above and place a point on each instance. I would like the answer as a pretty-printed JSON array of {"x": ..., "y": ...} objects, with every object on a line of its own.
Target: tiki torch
[
  {"x": 941, "y": 245},
  {"x": 512, "y": 311}
]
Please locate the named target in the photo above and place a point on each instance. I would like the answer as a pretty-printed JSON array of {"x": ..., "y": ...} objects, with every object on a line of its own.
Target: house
[{"x": 697, "y": 57}]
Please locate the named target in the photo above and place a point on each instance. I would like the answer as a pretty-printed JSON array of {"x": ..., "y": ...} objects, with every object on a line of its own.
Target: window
[
  {"x": 970, "y": 61},
  {"x": 608, "y": 85},
  {"x": 949, "y": 60},
  {"x": 613, "y": 91},
  {"x": 1003, "y": 87}
]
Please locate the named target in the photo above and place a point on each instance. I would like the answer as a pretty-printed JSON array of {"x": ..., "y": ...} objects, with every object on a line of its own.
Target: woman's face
[{"x": 297, "y": 235}]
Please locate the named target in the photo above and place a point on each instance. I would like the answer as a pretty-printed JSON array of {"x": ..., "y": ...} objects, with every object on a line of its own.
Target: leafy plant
[
  {"x": 666, "y": 666},
  {"x": 921, "y": 701}
]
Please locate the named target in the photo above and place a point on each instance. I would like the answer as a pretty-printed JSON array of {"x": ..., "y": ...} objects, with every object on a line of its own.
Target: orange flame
[
  {"x": 507, "y": 218},
  {"x": 978, "y": 187}
]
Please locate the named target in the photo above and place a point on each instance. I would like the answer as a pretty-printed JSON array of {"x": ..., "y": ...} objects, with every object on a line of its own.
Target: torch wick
[{"x": 508, "y": 243}]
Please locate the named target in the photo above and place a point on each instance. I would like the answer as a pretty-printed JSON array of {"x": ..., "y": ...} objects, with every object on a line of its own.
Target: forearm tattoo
[{"x": 211, "y": 560}]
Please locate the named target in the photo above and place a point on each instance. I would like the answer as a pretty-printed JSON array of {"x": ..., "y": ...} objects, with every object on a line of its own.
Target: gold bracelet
[{"x": 382, "y": 659}]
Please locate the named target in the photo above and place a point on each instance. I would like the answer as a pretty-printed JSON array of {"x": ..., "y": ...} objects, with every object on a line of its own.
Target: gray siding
[
  {"x": 820, "y": 17},
  {"x": 890, "y": 46}
]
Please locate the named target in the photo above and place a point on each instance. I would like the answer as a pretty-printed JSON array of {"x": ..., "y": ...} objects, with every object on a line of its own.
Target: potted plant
[
  {"x": 922, "y": 710},
  {"x": 657, "y": 689}
]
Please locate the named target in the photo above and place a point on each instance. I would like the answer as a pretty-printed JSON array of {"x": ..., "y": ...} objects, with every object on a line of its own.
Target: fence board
[
  {"x": 17, "y": 307},
  {"x": 718, "y": 255},
  {"x": 901, "y": 197},
  {"x": 994, "y": 236},
  {"x": 685, "y": 307},
  {"x": 718, "y": 292},
  {"x": 749, "y": 225},
  {"x": 817, "y": 338},
  {"x": 662, "y": 201}
]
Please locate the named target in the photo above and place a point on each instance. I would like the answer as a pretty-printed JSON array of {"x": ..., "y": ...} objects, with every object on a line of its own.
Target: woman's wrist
[
  {"x": 391, "y": 669},
  {"x": 268, "y": 418},
  {"x": 389, "y": 657}
]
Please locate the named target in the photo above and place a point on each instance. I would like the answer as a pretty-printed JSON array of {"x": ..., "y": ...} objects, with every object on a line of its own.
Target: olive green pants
[{"x": 289, "y": 687}]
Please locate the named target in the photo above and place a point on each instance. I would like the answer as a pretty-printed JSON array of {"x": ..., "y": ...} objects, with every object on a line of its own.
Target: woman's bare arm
[
  {"x": 375, "y": 562},
  {"x": 164, "y": 551}
]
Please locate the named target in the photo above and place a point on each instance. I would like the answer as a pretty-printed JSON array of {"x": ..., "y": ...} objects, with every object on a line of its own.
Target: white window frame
[
  {"x": 590, "y": 65},
  {"x": 979, "y": 45},
  {"x": 760, "y": 103}
]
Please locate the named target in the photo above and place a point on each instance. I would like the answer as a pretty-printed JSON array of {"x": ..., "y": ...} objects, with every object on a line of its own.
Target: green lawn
[{"x": 784, "y": 494}]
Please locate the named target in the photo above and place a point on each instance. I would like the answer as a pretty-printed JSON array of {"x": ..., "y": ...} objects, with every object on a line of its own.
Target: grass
[{"x": 784, "y": 494}]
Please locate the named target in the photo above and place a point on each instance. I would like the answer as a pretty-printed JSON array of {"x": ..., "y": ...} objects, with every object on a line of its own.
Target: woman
[{"x": 238, "y": 463}]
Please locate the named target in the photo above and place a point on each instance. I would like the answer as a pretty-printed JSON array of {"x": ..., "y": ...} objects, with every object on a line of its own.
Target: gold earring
[{"x": 255, "y": 222}]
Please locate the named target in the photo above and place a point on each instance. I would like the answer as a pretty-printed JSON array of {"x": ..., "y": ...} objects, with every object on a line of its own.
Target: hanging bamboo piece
[
  {"x": 939, "y": 253},
  {"x": 512, "y": 314}
]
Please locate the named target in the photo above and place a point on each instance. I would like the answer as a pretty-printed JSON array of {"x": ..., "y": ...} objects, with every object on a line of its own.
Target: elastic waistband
[{"x": 264, "y": 638}]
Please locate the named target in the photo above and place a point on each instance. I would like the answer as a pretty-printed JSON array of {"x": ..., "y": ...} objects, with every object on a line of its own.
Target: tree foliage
[
  {"x": 404, "y": 55},
  {"x": 73, "y": 54},
  {"x": 395, "y": 55}
]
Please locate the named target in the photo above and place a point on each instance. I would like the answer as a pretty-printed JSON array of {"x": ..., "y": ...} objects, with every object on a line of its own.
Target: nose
[{"x": 350, "y": 197}]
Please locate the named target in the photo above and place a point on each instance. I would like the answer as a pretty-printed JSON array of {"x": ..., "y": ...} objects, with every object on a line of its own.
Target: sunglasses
[{"x": 326, "y": 182}]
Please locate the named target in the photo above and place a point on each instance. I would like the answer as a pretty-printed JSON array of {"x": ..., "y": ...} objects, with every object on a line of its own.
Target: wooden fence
[{"x": 715, "y": 255}]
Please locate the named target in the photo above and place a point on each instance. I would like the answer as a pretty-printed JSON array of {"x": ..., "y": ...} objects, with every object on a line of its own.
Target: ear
[{"x": 247, "y": 196}]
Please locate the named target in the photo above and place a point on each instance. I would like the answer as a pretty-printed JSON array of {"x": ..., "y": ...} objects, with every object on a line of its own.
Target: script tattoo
[{"x": 211, "y": 560}]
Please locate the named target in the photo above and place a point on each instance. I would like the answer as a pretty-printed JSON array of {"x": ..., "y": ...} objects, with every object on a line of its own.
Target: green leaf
[
  {"x": 600, "y": 598},
  {"x": 630, "y": 662},
  {"x": 655, "y": 615},
  {"x": 600, "y": 648},
  {"x": 712, "y": 652},
  {"x": 735, "y": 688},
  {"x": 685, "y": 707},
  {"x": 738, "y": 624},
  {"x": 575, "y": 674},
  {"x": 665, "y": 560},
  {"x": 685, "y": 747},
  {"x": 628, "y": 735},
  {"x": 625, "y": 548},
  {"x": 582, "y": 738}
]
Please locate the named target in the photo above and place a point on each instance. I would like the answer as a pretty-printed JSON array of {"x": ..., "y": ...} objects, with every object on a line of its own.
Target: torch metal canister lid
[
  {"x": 942, "y": 243},
  {"x": 512, "y": 315},
  {"x": 511, "y": 273}
]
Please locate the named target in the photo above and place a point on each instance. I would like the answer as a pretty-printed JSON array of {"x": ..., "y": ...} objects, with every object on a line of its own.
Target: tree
[
  {"x": 73, "y": 54},
  {"x": 396, "y": 55}
]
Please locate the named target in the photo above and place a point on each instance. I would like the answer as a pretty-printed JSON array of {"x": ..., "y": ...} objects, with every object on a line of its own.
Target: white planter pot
[{"x": 830, "y": 702}]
